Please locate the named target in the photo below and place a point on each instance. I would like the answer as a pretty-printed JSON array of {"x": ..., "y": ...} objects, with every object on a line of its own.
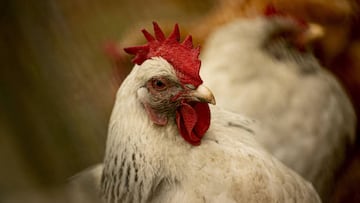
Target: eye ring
[{"x": 158, "y": 84}]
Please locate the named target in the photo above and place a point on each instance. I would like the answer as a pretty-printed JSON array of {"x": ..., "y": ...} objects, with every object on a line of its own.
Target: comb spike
[
  {"x": 182, "y": 56},
  {"x": 197, "y": 49},
  {"x": 175, "y": 35},
  {"x": 136, "y": 49},
  {"x": 139, "y": 59},
  {"x": 159, "y": 34},
  {"x": 147, "y": 35},
  {"x": 188, "y": 42},
  {"x": 131, "y": 50}
]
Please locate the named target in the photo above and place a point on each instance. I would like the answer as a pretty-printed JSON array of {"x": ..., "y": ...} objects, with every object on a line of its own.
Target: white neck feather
[{"x": 137, "y": 149}]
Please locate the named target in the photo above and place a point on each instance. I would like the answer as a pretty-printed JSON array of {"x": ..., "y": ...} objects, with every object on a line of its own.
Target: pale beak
[
  {"x": 313, "y": 33},
  {"x": 202, "y": 94}
]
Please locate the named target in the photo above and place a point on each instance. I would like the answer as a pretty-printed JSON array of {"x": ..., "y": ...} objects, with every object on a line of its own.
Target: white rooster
[
  {"x": 161, "y": 146},
  {"x": 261, "y": 67}
]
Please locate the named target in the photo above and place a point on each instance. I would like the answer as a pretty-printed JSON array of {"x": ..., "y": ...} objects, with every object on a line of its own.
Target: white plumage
[
  {"x": 149, "y": 163},
  {"x": 161, "y": 148},
  {"x": 308, "y": 118}
]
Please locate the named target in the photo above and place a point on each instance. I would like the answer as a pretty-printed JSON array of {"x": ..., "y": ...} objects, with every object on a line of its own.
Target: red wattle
[{"x": 193, "y": 120}]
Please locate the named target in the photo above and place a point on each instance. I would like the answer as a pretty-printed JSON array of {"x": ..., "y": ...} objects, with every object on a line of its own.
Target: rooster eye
[{"x": 158, "y": 84}]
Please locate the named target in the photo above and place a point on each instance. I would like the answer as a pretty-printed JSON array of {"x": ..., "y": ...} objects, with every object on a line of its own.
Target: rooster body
[
  {"x": 309, "y": 120},
  {"x": 162, "y": 145},
  {"x": 156, "y": 165}
]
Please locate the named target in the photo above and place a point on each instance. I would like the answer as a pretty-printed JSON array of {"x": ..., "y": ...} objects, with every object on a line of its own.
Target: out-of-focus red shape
[{"x": 121, "y": 63}]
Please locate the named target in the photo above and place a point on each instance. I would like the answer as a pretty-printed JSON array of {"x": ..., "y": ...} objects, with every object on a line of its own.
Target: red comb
[
  {"x": 272, "y": 11},
  {"x": 182, "y": 56}
]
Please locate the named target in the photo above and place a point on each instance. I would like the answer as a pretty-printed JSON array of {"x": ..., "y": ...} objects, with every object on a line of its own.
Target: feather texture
[
  {"x": 308, "y": 118},
  {"x": 146, "y": 163}
]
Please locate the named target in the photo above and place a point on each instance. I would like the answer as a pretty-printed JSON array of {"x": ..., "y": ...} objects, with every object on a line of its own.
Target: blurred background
[{"x": 57, "y": 85}]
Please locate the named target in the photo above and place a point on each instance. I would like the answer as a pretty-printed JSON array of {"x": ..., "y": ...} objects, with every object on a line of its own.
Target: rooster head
[
  {"x": 296, "y": 30},
  {"x": 172, "y": 89}
]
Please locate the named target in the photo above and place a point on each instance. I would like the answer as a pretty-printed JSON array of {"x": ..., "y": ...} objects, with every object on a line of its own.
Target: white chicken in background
[
  {"x": 263, "y": 68},
  {"x": 166, "y": 145}
]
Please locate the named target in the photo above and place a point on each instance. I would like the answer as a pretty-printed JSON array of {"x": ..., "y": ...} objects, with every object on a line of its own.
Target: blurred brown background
[{"x": 57, "y": 86}]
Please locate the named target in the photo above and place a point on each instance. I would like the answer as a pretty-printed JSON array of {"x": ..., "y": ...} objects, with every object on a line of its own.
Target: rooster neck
[
  {"x": 120, "y": 180},
  {"x": 139, "y": 154},
  {"x": 134, "y": 169},
  {"x": 130, "y": 176}
]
